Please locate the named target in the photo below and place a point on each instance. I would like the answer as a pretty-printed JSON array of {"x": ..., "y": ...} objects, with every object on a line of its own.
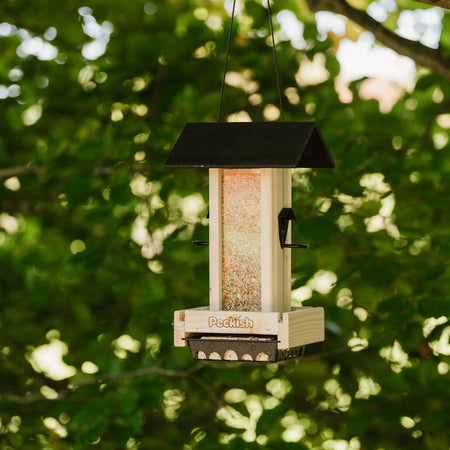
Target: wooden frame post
[
  {"x": 215, "y": 239},
  {"x": 275, "y": 261}
]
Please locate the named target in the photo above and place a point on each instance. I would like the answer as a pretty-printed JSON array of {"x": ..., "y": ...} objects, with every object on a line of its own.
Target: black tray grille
[{"x": 240, "y": 348}]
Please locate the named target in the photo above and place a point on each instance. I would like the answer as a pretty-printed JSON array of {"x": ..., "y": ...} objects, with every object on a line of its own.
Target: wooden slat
[
  {"x": 178, "y": 329},
  {"x": 287, "y": 203},
  {"x": 278, "y": 270},
  {"x": 179, "y": 326},
  {"x": 231, "y": 322},
  {"x": 215, "y": 239},
  {"x": 301, "y": 327},
  {"x": 275, "y": 261},
  {"x": 266, "y": 239}
]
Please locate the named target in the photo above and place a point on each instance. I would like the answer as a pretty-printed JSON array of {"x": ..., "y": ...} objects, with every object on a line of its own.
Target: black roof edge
[{"x": 250, "y": 145}]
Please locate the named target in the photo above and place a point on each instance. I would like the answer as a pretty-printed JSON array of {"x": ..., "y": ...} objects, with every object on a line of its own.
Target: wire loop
[{"x": 228, "y": 54}]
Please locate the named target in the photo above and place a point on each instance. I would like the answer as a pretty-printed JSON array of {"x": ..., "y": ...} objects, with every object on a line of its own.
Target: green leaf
[{"x": 434, "y": 307}]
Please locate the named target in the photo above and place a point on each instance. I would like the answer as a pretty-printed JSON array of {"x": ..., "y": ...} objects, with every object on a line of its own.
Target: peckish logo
[{"x": 230, "y": 322}]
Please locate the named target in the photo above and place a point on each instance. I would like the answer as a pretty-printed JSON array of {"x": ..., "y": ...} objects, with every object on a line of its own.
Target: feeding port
[{"x": 240, "y": 348}]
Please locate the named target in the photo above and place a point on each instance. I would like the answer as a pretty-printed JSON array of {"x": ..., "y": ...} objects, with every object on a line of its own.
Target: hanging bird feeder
[{"x": 249, "y": 317}]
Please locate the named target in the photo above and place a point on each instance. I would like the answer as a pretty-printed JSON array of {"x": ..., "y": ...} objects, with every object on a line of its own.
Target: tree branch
[
  {"x": 434, "y": 59},
  {"x": 441, "y": 3},
  {"x": 186, "y": 373},
  {"x": 20, "y": 170}
]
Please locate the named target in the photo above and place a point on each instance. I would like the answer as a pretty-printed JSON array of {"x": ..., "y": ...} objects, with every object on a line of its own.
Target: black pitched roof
[{"x": 250, "y": 144}]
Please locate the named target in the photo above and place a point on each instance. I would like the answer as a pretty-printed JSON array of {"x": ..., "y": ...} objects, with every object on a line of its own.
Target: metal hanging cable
[
  {"x": 274, "y": 58},
  {"x": 226, "y": 62},
  {"x": 276, "y": 62}
]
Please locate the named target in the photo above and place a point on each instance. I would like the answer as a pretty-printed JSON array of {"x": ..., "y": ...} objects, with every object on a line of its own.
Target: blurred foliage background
[{"x": 95, "y": 236}]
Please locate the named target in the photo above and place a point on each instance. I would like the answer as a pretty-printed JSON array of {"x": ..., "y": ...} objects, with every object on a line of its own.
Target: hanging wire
[
  {"x": 226, "y": 62},
  {"x": 274, "y": 58},
  {"x": 276, "y": 63}
]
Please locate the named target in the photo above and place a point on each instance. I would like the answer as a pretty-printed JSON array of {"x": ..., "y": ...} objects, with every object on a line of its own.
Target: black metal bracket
[
  {"x": 206, "y": 244},
  {"x": 285, "y": 215}
]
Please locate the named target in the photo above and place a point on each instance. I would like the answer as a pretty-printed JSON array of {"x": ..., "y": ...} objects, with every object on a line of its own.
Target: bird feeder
[{"x": 249, "y": 316}]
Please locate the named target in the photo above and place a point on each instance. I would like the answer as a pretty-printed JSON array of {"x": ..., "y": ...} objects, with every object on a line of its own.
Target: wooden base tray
[{"x": 276, "y": 335}]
